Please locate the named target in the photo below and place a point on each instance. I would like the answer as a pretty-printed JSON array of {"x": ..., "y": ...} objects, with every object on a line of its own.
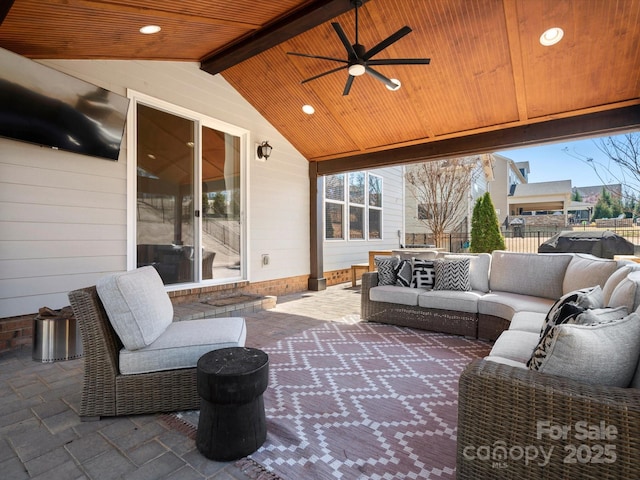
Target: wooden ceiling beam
[
  {"x": 601, "y": 123},
  {"x": 4, "y": 9},
  {"x": 285, "y": 28}
]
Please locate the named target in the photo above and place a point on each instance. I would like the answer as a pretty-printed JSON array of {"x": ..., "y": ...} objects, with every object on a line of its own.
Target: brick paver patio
[{"x": 41, "y": 435}]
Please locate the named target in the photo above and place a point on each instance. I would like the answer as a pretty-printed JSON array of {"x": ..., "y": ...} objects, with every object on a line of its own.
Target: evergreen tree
[
  {"x": 485, "y": 229},
  {"x": 575, "y": 196}
]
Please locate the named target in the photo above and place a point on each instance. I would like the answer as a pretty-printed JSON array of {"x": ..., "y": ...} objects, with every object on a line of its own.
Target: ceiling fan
[{"x": 359, "y": 60}]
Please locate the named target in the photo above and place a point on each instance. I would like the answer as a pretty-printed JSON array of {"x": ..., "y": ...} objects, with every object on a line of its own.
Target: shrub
[{"x": 485, "y": 229}]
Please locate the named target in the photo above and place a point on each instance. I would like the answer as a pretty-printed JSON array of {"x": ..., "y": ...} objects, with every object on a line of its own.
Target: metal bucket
[{"x": 56, "y": 339}]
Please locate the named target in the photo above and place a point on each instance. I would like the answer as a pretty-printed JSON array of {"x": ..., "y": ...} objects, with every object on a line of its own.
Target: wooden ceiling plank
[
  {"x": 515, "y": 50},
  {"x": 133, "y": 10},
  {"x": 287, "y": 27},
  {"x": 606, "y": 122}
]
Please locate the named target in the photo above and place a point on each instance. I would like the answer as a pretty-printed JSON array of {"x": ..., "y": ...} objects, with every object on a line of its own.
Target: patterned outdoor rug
[{"x": 360, "y": 401}]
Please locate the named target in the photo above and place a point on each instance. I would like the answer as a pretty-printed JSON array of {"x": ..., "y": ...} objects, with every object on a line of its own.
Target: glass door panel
[
  {"x": 165, "y": 194},
  {"x": 221, "y": 205}
]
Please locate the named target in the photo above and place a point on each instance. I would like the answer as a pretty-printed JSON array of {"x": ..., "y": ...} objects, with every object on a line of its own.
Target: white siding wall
[
  {"x": 339, "y": 254},
  {"x": 63, "y": 216}
]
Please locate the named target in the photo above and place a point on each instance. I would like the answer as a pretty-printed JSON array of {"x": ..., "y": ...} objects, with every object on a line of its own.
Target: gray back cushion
[
  {"x": 587, "y": 271},
  {"x": 137, "y": 305},
  {"x": 539, "y": 275}
]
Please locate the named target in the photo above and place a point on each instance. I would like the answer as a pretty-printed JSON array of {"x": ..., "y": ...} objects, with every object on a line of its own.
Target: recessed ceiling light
[
  {"x": 308, "y": 109},
  {"x": 397, "y": 82},
  {"x": 150, "y": 29},
  {"x": 551, "y": 36}
]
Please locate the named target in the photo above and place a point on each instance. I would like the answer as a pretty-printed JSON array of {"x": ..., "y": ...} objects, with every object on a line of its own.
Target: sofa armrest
[
  {"x": 369, "y": 280},
  {"x": 517, "y": 423}
]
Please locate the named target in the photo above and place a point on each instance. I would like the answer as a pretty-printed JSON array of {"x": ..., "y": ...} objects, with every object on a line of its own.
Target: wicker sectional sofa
[
  {"x": 502, "y": 284},
  {"x": 576, "y": 414}
]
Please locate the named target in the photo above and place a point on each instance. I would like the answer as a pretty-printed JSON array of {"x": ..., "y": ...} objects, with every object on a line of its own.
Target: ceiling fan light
[
  {"x": 551, "y": 36},
  {"x": 356, "y": 70},
  {"x": 397, "y": 82}
]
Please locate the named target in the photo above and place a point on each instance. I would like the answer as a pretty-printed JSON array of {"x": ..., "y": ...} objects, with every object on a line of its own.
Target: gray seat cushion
[
  {"x": 450, "y": 300},
  {"x": 137, "y": 305},
  {"x": 183, "y": 343},
  {"x": 506, "y": 305},
  {"x": 515, "y": 345},
  {"x": 527, "y": 321},
  {"x": 393, "y": 294}
]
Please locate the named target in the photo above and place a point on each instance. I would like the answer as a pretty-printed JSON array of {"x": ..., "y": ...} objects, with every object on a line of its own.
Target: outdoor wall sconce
[{"x": 264, "y": 150}]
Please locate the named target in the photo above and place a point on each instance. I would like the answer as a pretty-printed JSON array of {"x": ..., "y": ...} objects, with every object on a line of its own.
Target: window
[
  {"x": 424, "y": 213},
  {"x": 356, "y": 205},
  {"x": 353, "y": 204},
  {"x": 375, "y": 207},
  {"x": 189, "y": 182},
  {"x": 334, "y": 207}
]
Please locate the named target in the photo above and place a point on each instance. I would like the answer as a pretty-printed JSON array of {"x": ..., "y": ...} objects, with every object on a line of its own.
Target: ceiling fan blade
[
  {"x": 345, "y": 41},
  {"x": 306, "y": 55},
  {"x": 386, "y": 42},
  {"x": 381, "y": 77},
  {"x": 347, "y": 85},
  {"x": 323, "y": 74},
  {"x": 401, "y": 61}
]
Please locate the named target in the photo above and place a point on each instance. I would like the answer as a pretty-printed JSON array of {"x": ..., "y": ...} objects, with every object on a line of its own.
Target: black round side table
[{"x": 232, "y": 421}]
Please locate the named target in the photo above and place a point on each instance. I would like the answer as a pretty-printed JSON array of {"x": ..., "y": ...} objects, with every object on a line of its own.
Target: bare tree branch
[
  {"x": 622, "y": 164},
  {"x": 441, "y": 189}
]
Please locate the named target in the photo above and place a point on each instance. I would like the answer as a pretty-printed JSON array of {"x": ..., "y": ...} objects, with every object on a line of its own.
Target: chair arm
[
  {"x": 517, "y": 423},
  {"x": 369, "y": 280}
]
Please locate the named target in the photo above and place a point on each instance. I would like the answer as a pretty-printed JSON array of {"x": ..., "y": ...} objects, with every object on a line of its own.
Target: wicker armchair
[
  {"x": 506, "y": 415},
  {"x": 105, "y": 391}
]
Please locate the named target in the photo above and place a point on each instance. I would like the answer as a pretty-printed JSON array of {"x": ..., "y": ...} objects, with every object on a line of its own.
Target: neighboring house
[{"x": 506, "y": 175}]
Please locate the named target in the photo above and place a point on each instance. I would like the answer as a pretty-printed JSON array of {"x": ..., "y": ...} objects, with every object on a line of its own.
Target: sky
[{"x": 550, "y": 162}]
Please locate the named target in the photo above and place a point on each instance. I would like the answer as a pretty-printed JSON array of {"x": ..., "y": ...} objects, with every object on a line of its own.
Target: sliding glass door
[{"x": 189, "y": 198}]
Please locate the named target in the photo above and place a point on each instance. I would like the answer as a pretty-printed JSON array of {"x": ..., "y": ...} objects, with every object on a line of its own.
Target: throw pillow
[
  {"x": 452, "y": 274},
  {"x": 567, "y": 314},
  {"x": 599, "y": 315},
  {"x": 386, "y": 269},
  {"x": 600, "y": 354},
  {"x": 424, "y": 273},
  {"x": 404, "y": 273},
  {"x": 585, "y": 298}
]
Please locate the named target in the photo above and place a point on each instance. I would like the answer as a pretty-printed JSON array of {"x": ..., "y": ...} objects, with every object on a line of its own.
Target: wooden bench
[{"x": 354, "y": 271}]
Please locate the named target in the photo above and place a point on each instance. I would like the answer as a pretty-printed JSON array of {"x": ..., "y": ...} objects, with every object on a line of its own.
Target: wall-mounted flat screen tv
[{"x": 41, "y": 105}]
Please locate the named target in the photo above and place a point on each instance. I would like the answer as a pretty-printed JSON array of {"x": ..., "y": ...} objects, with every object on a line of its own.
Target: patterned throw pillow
[
  {"x": 386, "y": 269},
  {"x": 452, "y": 274},
  {"x": 424, "y": 273},
  {"x": 404, "y": 273},
  {"x": 569, "y": 313},
  {"x": 585, "y": 298}
]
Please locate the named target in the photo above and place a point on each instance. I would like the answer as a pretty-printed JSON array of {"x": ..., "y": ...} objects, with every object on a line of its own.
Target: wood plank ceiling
[{"x": 488, "y": 71}]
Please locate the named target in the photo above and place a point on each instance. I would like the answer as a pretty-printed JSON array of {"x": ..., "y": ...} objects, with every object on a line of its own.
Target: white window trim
[
  {"x": 342, "y": 202},
  {"x": 200, "y": 120},
  {"x": 346, "y": 205}
]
